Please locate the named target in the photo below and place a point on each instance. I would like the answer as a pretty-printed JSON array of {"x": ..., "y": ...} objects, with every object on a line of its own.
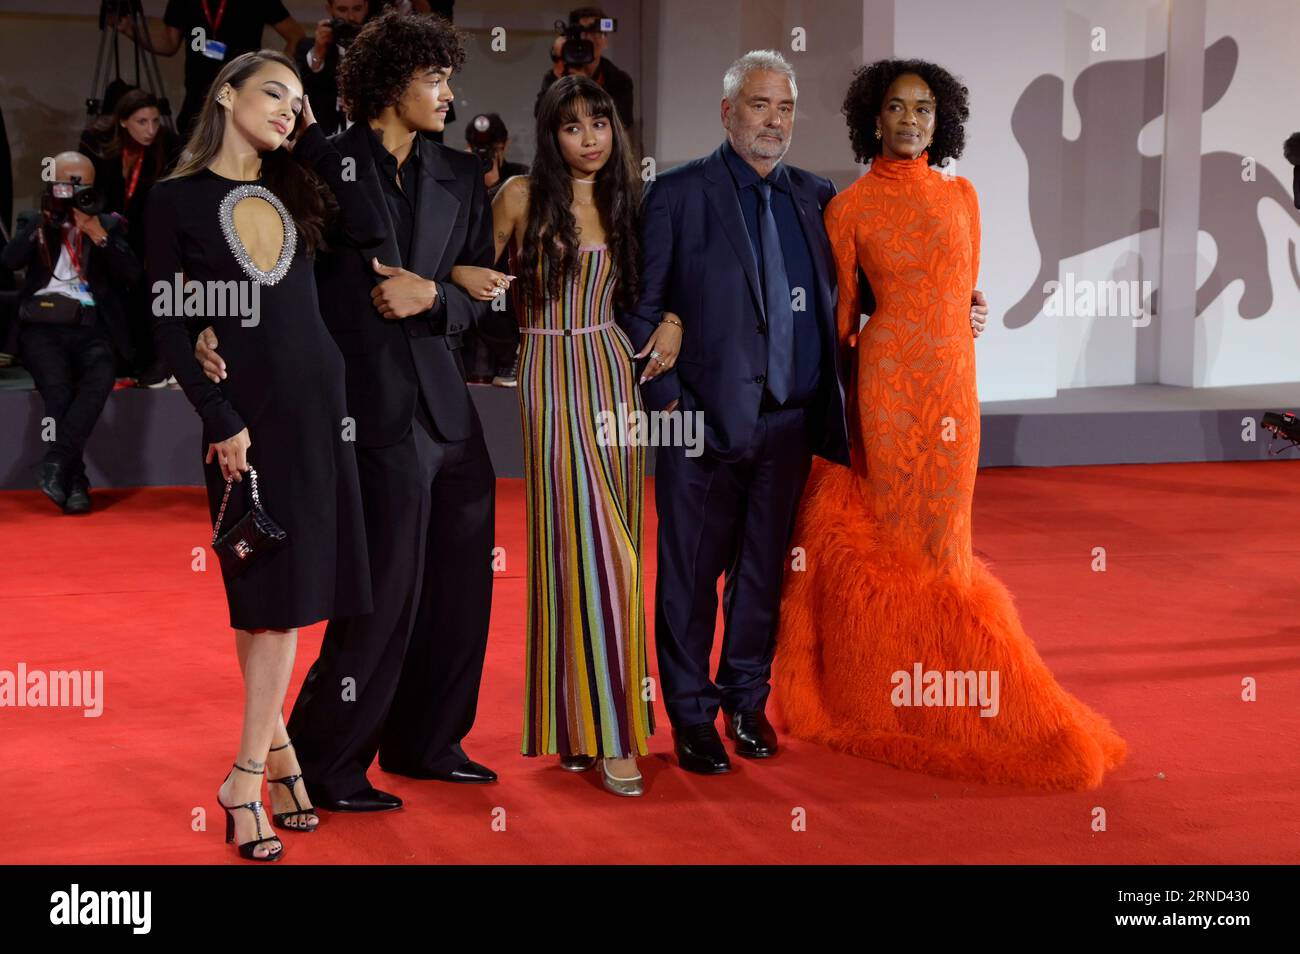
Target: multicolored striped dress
[{"x": 586, "y": 688}]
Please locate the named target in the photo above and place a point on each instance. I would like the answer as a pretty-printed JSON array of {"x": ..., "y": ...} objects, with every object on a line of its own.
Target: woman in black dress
[{"x": 240, "y": 210}]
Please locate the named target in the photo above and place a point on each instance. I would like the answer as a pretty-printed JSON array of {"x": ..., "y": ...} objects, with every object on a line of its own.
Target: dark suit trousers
[
  {"x": 734, "y": 517},
  {"x": 73, "y": 367},
  {"x": 416, "y": 662}
]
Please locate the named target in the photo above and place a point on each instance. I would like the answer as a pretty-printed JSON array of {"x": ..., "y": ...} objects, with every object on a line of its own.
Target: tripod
[{"x": 149, "y": 78}]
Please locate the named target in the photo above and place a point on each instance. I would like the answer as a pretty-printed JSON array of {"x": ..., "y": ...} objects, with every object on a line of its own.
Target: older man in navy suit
[{"x": 735, "y": 246}]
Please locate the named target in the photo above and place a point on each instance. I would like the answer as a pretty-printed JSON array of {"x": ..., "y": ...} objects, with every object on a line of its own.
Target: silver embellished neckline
[{"x": 226, "y": 215}]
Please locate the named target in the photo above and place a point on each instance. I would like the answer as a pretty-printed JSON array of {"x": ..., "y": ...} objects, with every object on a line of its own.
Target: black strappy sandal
[
  {"x": 289, "y": 781},
  {"x": 247, "y": 848}
]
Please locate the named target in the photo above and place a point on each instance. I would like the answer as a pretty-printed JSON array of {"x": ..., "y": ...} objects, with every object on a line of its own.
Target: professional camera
[
  {"x": 344, "y": 32},
  {"x": 1284, "y": 425},
  {"x": 60, "y": 198},
  {"x": 578, "y": 52},
  {"x": 484, "y": 134}
]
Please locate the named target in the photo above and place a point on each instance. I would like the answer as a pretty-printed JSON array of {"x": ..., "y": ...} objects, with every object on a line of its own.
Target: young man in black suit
[{"x": 404, "y": 680}]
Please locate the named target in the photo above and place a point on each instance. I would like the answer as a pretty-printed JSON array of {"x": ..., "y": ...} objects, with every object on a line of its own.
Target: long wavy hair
[
  {"x": 550, "y": 234},
  {"x": 300, "y": 189},
  {"x": 109, "y": 138}
]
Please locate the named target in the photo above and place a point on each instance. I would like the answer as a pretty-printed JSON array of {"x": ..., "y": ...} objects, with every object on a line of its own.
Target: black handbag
[
  {"x": 253, "y": 537},
  {"x": 51, "y": 310}
]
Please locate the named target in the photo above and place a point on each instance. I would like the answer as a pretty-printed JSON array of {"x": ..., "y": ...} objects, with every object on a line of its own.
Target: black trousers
[
  {"x": 404, "y": 681},
  {"x": 732, "y": 517},
  {"x": 73, "y": 366}
]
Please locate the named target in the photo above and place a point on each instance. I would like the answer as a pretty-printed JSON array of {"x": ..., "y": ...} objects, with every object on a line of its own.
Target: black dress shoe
[
  {"x": 366, "y": 800},
  {"x": 52, "y": 480},
  {"x": 467, "y": 773},
  {"x": 699, "y": 749},
  {"x": 754, "y": 735},
  {"x": 78, "y": 495}
]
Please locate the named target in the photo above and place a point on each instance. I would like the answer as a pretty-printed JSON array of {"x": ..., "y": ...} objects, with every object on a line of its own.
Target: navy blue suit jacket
[{"x": 697, "y": 263}]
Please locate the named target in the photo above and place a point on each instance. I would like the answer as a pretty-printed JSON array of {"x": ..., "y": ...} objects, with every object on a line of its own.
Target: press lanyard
[
  {"x": 135, "y": 177},
  {"x": 214, "y": 25},
  {"x": 73, "y": 257}
]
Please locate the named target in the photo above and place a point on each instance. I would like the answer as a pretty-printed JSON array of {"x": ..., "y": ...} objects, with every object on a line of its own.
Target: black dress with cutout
[{"x": 285, "y": 383}]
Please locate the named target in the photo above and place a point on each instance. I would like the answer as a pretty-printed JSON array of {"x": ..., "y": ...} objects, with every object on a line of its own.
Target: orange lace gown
[{"x": 886, "y": 579}]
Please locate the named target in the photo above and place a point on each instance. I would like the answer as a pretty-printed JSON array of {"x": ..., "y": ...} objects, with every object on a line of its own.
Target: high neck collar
[{"x": 887, "y": 168}]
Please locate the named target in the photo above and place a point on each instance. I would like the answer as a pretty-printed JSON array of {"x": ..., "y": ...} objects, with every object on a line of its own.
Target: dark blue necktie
[{"x": 776, "y": 296}]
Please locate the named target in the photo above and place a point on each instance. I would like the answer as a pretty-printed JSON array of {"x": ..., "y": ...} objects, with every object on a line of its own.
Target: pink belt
[{"x": 567, "y": 332}]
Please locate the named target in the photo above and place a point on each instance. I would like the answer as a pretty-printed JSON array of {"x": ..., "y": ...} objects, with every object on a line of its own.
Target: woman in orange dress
[{"x": 895, "y": 642}]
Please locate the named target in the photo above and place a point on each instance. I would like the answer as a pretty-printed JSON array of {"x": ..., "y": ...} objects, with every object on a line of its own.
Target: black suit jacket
[
  {"x": 389, "y": 363},
  {"x": 698, "y": 264},
  {"x": 109, "y": 270}
]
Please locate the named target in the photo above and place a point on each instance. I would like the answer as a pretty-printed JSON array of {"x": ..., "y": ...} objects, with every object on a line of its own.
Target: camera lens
[{"x": 89, "y": 200}]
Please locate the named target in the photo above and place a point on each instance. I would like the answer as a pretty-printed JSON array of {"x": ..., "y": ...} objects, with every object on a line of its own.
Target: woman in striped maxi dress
[{"x": 573, "y": 222}]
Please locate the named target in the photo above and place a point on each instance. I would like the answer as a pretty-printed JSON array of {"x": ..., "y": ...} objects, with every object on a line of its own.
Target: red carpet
[{"x": 1199, "y": 593}]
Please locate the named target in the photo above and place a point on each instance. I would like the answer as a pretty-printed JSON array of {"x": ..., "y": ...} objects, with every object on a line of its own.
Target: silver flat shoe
[
  {"x": 577, "y": 763},
  {"x": 630, "y": 787}
]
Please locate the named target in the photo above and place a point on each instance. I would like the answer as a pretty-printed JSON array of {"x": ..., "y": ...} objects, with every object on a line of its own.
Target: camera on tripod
[
  {"x": 104, "y": 93},
  {"x": 60, "y": 198},
  {"x": 579, "y": 52}
]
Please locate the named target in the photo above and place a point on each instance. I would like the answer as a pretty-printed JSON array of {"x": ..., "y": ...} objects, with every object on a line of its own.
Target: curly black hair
[
  {"x": 388, "y": 52},
  {"x": 866, "y": 97},
  {"x": 1291, "y": 149}
]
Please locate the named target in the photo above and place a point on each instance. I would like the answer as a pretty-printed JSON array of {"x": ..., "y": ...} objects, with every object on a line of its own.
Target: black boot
[
  {"x": 78, "y": 495},
  {"x": 52, "y": 480}
]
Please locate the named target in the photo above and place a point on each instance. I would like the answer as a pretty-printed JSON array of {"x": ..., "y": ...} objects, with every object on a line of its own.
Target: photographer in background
[
  {"x": 582, "y": 50},
  {"x": 318, "y": 60},
  {"x": 1291, "y": 149},
  {"x": 229, "y": 28},
  {"x": 491, "y": 348},
  {"x": 70, "y": 317}
]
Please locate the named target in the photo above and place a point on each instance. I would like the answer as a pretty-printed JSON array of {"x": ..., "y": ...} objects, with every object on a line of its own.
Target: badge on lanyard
[
  {"x": 214, "y": 49},
  {"x": 74, "y": 259}
]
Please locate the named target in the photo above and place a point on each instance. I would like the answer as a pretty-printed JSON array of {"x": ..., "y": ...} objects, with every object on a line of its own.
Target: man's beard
[{"x": 764, "y": 148}]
